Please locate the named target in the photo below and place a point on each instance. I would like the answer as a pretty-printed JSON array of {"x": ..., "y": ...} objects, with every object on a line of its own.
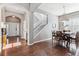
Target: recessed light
[{"x": 13, "y": 16}]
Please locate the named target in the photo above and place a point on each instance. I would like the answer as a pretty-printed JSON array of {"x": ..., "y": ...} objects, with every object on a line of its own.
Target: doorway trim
[{"x": 18, "y": 20}]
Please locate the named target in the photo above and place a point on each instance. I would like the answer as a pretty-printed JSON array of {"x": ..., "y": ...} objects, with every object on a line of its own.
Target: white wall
[{"x": 45, "y": 33}]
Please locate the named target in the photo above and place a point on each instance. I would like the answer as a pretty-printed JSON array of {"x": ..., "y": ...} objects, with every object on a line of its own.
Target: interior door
[{"x": 12, "y": 29}]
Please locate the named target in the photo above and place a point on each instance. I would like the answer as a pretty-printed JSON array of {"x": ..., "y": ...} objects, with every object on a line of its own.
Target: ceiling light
[{"x": 13, "y": 16}]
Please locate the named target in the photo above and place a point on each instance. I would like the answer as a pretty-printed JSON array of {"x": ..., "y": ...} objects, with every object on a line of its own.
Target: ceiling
[
  {"x": 53, "y": 8},
  {"x": 28, "y": 6},
  {"x": 57, "y": 8},
  {"x": 31, "y": 6}
]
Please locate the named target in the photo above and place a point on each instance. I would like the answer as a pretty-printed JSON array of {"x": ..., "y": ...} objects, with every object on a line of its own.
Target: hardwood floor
[
  {"x": 39, "y": 49},
  {"x": 13, "y": 39}
]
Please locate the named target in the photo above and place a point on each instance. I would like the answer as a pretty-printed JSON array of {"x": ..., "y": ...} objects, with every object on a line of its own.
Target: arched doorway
[{"x": 13, "y": 26}]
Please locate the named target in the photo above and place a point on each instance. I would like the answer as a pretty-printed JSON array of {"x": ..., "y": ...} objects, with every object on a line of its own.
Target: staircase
[{"x": 39, "y": 24}]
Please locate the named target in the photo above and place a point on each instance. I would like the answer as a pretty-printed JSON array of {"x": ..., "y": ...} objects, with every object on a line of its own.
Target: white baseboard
[{"x": 40, "y": 41}]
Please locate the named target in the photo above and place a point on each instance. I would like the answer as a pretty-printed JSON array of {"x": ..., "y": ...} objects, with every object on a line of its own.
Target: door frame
[{"x": 16, "y": 21}]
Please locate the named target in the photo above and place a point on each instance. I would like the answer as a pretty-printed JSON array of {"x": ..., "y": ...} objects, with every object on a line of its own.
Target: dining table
[{"x": 66, "y": 37}]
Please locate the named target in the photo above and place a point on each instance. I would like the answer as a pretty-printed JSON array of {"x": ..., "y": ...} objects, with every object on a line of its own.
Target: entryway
[
  {"x": 13, "y": 26},
  {"x": 13, "y": 31}
]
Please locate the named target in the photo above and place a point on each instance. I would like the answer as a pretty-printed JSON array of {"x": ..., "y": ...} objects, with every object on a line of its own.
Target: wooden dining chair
[
  {"x": 59, "y": 36},
  {"x": 66, "y": 38}
]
